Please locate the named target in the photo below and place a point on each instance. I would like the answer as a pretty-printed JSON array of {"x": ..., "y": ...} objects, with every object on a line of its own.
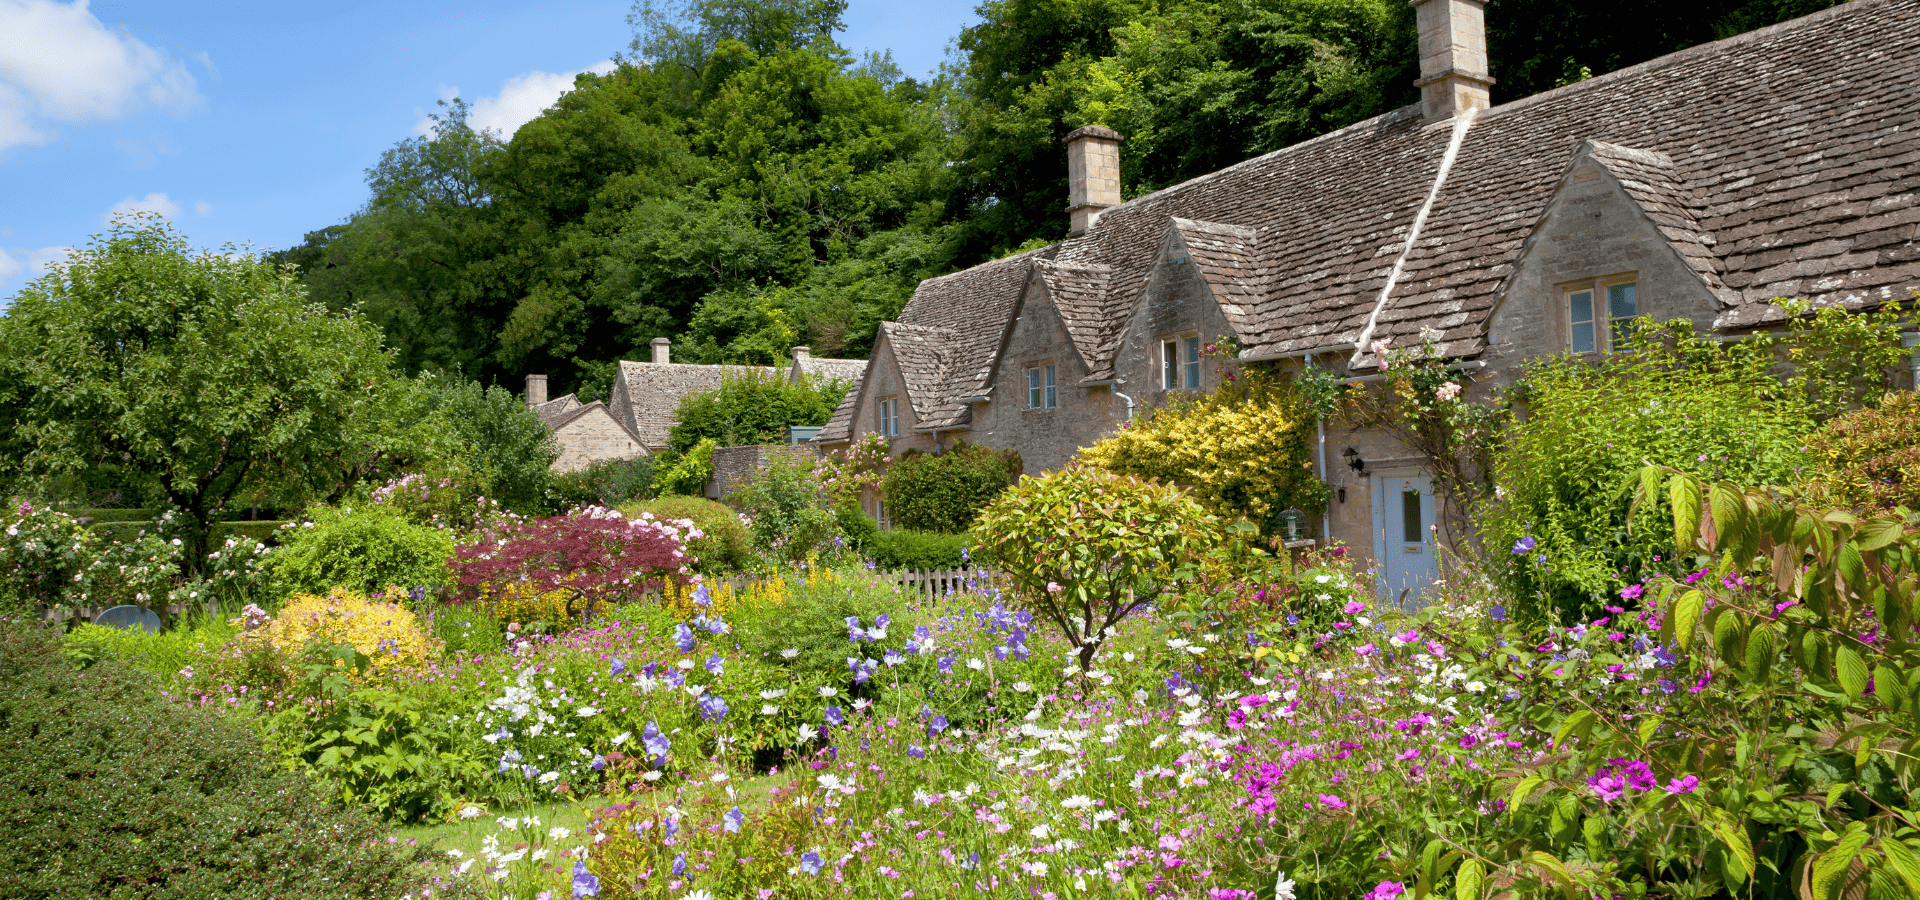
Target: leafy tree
[
  {"x": 753, "y": 408},
  {"x": 502, "y": 442},
  {"x": 203, "y": 374}
]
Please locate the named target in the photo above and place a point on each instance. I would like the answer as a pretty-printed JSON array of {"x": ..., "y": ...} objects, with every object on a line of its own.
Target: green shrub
[
  {"x": 902, "y": 549},
  {"x": 1869, "y": 459},
  {"x": 943, "y": 492},
  {"x": 507, "y": 451},
  {"x": 725, "y": 544},
  {"x": 365, "y": 548},
  {"x": 858, "y": 528},
  {"x": 1085, "y": 547},
  {"x": 752, "y": 407},
  {"x": 108, "y": 789},
  {"x": 163, "y": 655},
  {"x": 686, "y": 475},
  {"x": 608, "y": 482},
  {"x": 1558, "y": 526},
  {"x": 791, "y": 514}
]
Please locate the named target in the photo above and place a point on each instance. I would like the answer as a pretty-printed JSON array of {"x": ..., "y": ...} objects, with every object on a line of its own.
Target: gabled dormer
[
  {"x": 1620, "y": 238},
  {"x": 1198, "y": 289}
]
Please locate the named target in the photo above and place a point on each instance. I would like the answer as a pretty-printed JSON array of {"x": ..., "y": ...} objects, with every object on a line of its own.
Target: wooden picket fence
[{"x": 932, "y": 583}]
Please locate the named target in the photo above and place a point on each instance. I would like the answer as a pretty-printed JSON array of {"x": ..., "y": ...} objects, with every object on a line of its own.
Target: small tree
[
  {"x": 200, "y": 374},
  {"x": 792, "y": 514},
  {"x": 1086, "y": 547},
  {"x": 752, "y": 408}
]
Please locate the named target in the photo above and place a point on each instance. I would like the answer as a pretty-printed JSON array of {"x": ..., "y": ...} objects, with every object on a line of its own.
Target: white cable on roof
[{"x": 1461, "y": 123}]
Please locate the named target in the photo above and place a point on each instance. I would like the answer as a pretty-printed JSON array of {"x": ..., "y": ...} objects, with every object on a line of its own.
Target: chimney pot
[
  {"x": 1453, "y": 57},
  {"x": 536, "y": 390},
  {"x": 1093, "y": 174},
  {"x": 661, "y": 354}
]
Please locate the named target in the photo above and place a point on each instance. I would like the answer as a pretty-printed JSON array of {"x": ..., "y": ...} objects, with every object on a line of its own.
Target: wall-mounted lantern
[{"x": 1354, "y": 462}]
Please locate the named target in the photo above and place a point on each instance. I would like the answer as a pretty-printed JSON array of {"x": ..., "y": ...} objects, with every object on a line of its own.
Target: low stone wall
[{"x": 735, "y": 466}]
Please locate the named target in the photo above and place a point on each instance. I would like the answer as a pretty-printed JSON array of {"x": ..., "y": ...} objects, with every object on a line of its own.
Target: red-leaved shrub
[{"x": 592, "y": 556}]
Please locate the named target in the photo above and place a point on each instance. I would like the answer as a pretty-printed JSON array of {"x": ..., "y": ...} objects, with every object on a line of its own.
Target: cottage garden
[{"x": 1684, "y": 669}]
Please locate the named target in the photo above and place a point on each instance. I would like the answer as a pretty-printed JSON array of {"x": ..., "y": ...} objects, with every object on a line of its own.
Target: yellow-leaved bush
[
  {"x": 1240, "y": 451},
  {"x": 386, "y": 632}
]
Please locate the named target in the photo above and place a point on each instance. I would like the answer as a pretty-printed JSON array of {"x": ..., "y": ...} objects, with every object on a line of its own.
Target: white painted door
[{"x": 1403, "y": 542}]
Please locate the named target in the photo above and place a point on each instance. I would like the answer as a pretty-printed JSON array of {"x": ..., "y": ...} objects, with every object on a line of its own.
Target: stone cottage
[
  {"x": 646, "y": 400},
  {"x": 1702, "y": 185},
  {"x": 587, "y": 432}
]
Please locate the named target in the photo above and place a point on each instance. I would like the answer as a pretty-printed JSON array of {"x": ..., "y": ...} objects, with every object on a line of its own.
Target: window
[
  {"x": 1180, "y": 364},
  {"x": 890, "y": 416},
  {"x": 1413, "y": 529},
  {"x": 1600, "y": 314},
  {"x": 1041, "y": 393}
]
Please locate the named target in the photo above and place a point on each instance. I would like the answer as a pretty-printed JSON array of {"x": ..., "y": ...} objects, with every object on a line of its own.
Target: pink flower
[
  {"x": 1386, "y": 890},
  {"x": 1685, "y": 785},
  {"x": 1354, "y": 608},
  {"x": 1053, "y": 587},
  {"x": 1332, "y": 802},
  {"x": 1379, "y": 349},
  {"x": 1447, "y": 391}
]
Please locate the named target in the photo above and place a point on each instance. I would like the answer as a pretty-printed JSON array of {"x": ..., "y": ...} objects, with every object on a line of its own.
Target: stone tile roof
[
  {"x": 848, "y": 370},
  {"x": 1080, "y": 294},
  {"x": 926, "y": 356},
  {"x": 655, "y": 390},
  {"x": 563, "y": 419},
  {"x": 1782, "y": 162},
  {"x": 556, "y": 406},
  {"x": 1653, "y": 182},
  {"x": 839, "y": 427}
]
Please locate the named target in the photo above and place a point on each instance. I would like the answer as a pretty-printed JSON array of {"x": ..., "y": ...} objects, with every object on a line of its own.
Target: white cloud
[
  {"x": 155, "y": 202},
  {"x": 203, "y": 207},
  {"x": 521, "y": 100},
  {"x": 60, "y": 64},
  {"x": 23, "y": 264}
]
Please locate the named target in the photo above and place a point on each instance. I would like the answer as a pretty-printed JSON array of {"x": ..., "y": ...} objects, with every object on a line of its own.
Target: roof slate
[
  {"x": 556, "y": 406},
  {"x": 832, "y": 369},
  {"x": 1782, "y": 162},
  {"x": 655, "y": 390}
]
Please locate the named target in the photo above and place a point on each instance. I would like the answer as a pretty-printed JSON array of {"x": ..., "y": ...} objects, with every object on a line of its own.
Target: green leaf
[
  {"x": 1904, "y": 862},
  {"x": 1685, "y": 495},
  {"x": 1581, "y": 723},
  {"x": 1852, "y": 671},
  {"x": 1727, "y": 634},
  {"x": 1731, "y": 832},
  {"x": 1832, "y": 865},
  {"x": 1686, "y": 615},
  {"x": 1522, "y": 790},
  {"x": 1880, "y": 533},
  {"x": 1762, "y": 648},
  {"x": 1468, "y": 882},
  {"x": 1731, "y": 523}
]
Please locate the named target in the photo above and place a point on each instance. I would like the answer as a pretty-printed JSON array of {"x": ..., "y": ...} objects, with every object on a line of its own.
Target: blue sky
[{"x": 252, "y": 123}]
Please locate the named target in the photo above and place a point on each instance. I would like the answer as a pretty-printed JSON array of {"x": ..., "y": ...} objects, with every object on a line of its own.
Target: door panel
[{"x": 1403, "y": 535}]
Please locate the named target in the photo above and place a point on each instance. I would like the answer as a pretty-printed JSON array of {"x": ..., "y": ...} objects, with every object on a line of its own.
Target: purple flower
[
  {"x": 670, "y": 825},
  {"x": 810, "y": 862},
  {"x": 656, "y": 744},
  {"x": 1386, "y": 890},
  {"x": 715, "y": 663},
  {"x": 733, "y": 820},
  {"x": 1632, "y": 591},
  {"x": 1331, "y": 801},
  {"x": 712, "y": 708},
  {"x": 946, "y": 664},
  {"x": 683, "y": 638},
  {"x": 599, "y": 763},
  {"x": 585, "y": 883},
  {"x": 862, "y": 668},
  {"x": 1498, "y": 613},
  {"x": 1638, "y": 774},
  {"x": 701, "y": 596},
  {"x": 916, "y": 751},
  {"x": 1609, "y": 785},
  {"x": 679, "y": 865},
  {"x": 835, "y": 716},
  {"x": 894, "y": 658},
  {"x": 619, "y": 668},
  {"x": 1685, "y": 785},
  {"x": 1523, "y": 546},
  {"x": 855, "y": 634}
]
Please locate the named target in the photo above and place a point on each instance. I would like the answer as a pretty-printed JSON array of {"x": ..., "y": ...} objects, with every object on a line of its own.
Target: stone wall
[
  {"x": 735, "y": 466},
  {"x": 1046, "y": 438},
  {"x": 592, "y": 437}
]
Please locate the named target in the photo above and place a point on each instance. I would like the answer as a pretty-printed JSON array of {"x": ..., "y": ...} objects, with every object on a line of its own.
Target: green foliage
[
  {"x": 381, "y": 747},
  {"x": 901, "y": 549},
  {"x": 161, "y": 655},
  {"x": 687, "y": 474},
  {"x": 1085, "y": 547},
  {"x": 365, "y": 548},
  {"x": 606, "y": 482},
  {"x": 753, "y": 407},
  {"x": 725, "y": 545},
  {"x": 1842, "y": 359},
  {"x": 1241, "y": 450},
  {"x": 106, "y": 785},
  {"x": 1869, "y": 459},
  {"x": 943, "y": 492},
  {"x": 1564, "y": 469},
  {"x": 856, "y": 527},
  {"x": 96, "y": 359},
  {"x": 506, "y": 452},
  {"x": 792, "y": 516}
]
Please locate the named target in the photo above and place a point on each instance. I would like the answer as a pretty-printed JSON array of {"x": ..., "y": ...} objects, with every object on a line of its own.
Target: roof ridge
[{"x": 1714, "y": 47}]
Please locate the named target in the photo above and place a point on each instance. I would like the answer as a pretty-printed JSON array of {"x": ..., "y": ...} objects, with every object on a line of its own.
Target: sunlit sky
[{"x": 254, "y": 123}]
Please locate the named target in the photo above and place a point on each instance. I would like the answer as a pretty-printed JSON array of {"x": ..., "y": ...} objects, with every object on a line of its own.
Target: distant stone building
[
  {"x": 587, "y": 432},
  {"x": 1701, "y": 185},
  {"x": 645, "y": 402}
]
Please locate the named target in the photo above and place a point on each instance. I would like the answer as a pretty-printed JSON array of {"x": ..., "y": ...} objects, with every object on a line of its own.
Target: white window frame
[
  {"x": 1180, "y": 363},
  {"x": 1605, "y": 325},
  {"x": 1042, "y": 387},
  {"x": 1190, "y": 361},
  {"x": 890, "y": 416},
  {"x": 1053, "y": 393}
]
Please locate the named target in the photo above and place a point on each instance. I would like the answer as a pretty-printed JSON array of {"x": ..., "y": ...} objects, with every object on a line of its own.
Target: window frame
[
  {"x": 889, "y": 412},
  {"x": 1042, "y": 387},
  {"x": 1180, "y": 362},
  {"x": 1607, "y": 329}
]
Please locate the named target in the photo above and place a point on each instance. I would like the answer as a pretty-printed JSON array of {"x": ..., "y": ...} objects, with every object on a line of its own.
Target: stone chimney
[
  {"x": 661, "y": 356},
  {"x": 802, "y": 354},
  {"x": 1093, "y": 174},
  {"x": 1453, "y": 57},
  {"x": 536, "y": 390}
]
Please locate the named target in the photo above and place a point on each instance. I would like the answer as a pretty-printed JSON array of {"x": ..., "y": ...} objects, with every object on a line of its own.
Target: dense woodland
[{"x": 742, "y": 183}]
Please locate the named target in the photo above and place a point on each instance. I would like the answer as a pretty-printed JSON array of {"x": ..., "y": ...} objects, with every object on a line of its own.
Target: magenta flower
[
  {"x": 1386, "y": 890},
  {"x": 1632, "y": 592},
  {"x": 1686, "y": 785},
  {"x": 1332, "y": 802},
  {"x": 1354, "y": 608},
  {"x": 1607, "y": 784}
]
